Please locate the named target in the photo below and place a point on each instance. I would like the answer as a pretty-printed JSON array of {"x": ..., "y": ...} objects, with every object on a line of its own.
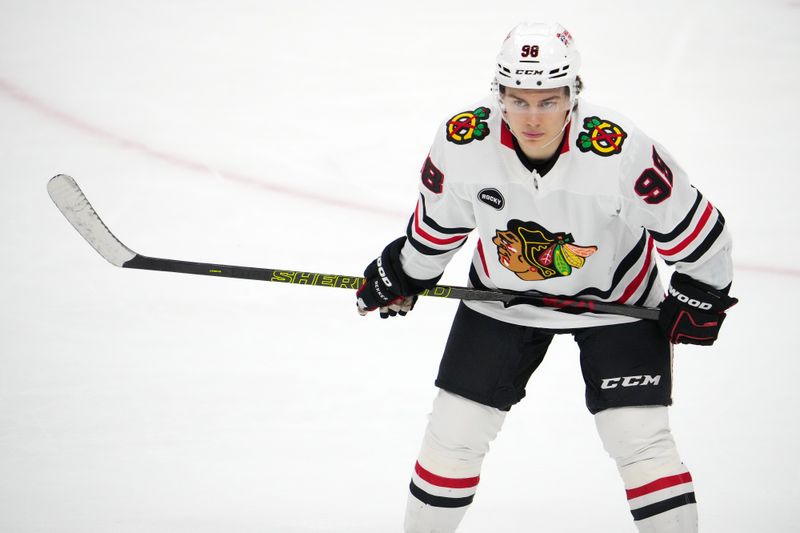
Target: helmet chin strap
[{"x": 563, "y": 127}]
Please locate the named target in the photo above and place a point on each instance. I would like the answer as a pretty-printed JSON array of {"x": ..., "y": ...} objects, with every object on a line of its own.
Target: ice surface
[{"x": 290, "y": 135}]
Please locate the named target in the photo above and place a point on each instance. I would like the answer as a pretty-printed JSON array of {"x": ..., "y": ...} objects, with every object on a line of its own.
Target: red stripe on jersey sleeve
[
  {"x": 685, "y": 242},
  {"x": 430, "y": 238},
  {"x": 659, "y": 484},
  {"x": 448, "y": 482}
]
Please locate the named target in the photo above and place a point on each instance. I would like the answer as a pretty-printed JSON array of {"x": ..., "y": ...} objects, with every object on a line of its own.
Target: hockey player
[{"x": 568, "y": 199}]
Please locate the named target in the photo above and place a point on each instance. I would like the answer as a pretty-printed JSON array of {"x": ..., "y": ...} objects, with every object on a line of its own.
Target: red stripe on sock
[
  {"x": 663, "y": 483},
  {"x": 448, "y": 482}
]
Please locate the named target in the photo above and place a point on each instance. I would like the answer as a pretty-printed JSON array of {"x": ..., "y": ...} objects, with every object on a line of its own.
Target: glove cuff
[
  {"x": 698, "y": 295},
  {"x": 408, "y": 286}
]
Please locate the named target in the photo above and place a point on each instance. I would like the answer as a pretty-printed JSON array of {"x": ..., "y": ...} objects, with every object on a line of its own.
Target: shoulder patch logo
[
  {"x": 492, "y": 198},
  {"x": 468, "y": 126},
  {"x": 533, "y": 253},
  {"x": 601, "y": 137}
]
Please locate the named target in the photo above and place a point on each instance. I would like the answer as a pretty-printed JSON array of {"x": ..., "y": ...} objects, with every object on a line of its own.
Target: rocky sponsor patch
[{"x": 492, "y": 198}]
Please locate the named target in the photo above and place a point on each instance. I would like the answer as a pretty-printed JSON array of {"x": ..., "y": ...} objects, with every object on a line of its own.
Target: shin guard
[
  {"x": 658, "y": 485},
  {"x": 447, "y": 472}
]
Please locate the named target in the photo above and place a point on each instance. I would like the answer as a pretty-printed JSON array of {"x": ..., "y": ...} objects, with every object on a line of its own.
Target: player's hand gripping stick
[
  {"x": 693, "y": 312},
  {"x": 387, "y": 287}
]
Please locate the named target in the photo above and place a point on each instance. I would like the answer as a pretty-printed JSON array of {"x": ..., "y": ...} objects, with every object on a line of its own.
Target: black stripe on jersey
[
  {"x": 624, "y": 266},
  {"x": 650, "y": 281},
  {"x": 682, "y": 225},
  {"x": 660, "y": 507},
  {"x": 439, "y": 501},
  {"x": 427, "y": 250},
  {"x": 707, "y": 243},
  {"x": 433, "y": 224},
  {"x": 475, "y": 280}
]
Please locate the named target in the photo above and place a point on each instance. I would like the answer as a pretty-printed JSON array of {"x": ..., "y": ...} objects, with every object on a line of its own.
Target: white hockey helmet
[{"x": 538, "y": 55}]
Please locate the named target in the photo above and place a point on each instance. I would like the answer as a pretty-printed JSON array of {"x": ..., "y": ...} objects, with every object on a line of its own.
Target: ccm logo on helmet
[
  {"x": 703, "y": 306},
  {"x": 530, "y": 72},
  {"x": 630, "y": 381}
]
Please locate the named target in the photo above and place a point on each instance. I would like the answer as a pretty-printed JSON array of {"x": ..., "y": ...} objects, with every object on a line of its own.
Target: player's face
[{"x": 536, "y": 116}]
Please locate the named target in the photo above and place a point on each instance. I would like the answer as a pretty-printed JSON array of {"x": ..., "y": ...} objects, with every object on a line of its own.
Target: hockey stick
[{"x": 72, "y": 203}]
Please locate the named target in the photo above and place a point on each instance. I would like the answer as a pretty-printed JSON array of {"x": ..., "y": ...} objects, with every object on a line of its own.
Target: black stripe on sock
[
  {"x": 665, "y": 505},
  {"x": 438, "y": 501}
]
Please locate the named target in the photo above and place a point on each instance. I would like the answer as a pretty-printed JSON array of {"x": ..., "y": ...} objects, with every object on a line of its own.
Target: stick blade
[{"x": 72, "y": 203}]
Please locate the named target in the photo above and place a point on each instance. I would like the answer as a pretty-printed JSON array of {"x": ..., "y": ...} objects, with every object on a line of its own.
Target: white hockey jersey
[{"x": 590, "y": 227}]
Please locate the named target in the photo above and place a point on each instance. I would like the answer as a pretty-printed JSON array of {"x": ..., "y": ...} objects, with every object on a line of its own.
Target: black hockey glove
[
  {"x": 387, "y": 287},
  {"x": 692, "y": 312}
]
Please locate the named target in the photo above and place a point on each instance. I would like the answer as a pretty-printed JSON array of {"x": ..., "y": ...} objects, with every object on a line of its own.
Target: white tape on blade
[{"x": 73, "y": 204}]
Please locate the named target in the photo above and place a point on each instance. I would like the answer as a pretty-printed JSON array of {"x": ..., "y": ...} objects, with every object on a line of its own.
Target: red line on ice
[
  {"x": 15, "y": 93},
  {"x": 92, "y": 130}
]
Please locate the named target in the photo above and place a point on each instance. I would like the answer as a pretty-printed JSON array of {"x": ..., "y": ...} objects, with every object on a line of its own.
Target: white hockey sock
[
  {"x": 666, "y": 505},
  {"x": 437, "y": 504},
  {"x": 658, "y": 486},
  {"x": 447, "y": 472}
]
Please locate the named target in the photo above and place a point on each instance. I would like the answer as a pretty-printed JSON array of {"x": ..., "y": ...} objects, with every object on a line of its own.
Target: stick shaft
[
  {"x": 316, "y": 279},
  {"x": 74, "y": 205}
]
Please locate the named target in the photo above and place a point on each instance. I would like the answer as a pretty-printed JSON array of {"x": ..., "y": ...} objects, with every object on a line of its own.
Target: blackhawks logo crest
[
  {"x": 602, "y": 137},
  {"x": 533, "y": 253},
  {"x": 468, "y": 126}
]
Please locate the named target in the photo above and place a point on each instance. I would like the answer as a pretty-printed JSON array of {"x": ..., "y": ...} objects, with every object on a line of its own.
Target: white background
[{"x": 290, "y": 135}]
